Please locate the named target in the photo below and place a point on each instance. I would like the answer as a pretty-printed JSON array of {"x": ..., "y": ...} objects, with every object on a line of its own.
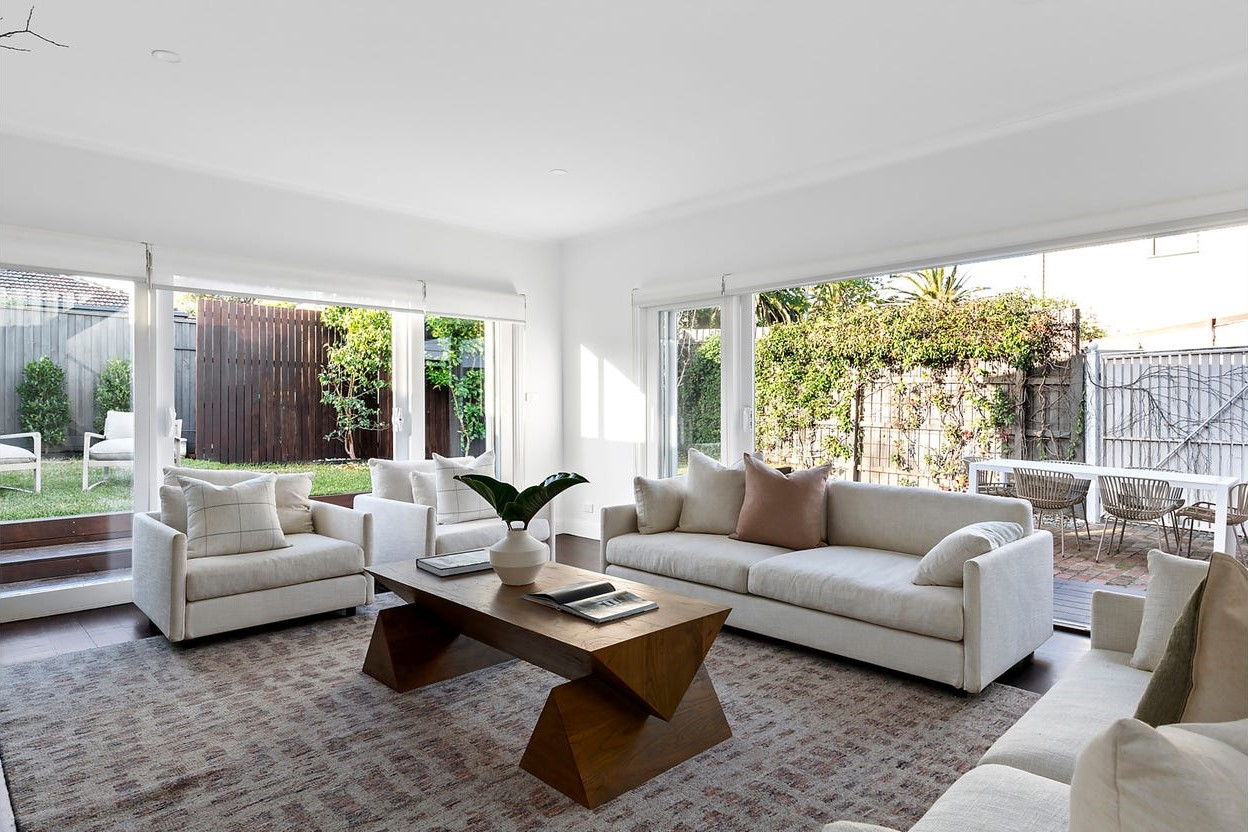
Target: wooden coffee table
[{"x": 639, "y": 702}]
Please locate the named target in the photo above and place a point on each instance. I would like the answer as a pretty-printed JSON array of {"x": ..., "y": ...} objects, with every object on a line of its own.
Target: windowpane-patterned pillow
[
  {"x": 456, "y": 502},
  {"x": 231, "y": 519}
]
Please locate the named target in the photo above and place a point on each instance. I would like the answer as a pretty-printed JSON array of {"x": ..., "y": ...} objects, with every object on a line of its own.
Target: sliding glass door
[{"x": 690, "y": 386}]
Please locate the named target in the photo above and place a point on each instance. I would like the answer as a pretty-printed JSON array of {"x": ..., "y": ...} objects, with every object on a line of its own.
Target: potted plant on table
[{"x": 518, "y": 557}]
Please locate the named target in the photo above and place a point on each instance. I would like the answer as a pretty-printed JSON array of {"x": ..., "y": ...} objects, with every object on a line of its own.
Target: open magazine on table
[{"x": 597, "y": 601}]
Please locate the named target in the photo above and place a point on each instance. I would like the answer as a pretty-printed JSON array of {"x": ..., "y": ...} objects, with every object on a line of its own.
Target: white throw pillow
[
  {"x": 294, "y": 506},
  {"x": 231, "y": 519},
  {"x": 713, "y": 496},
  {"x": 118, "y": 425},
  {"x": 425, "y": 489},
  {"x": 1134, "y": 778},
  {"x": 659, "y": 503},
  {"x": 391, "y": 479},
  {"x": 942, "y": 565},
  {"x": 1171, "y": 582},
  {"x": 456, "y": 502}
]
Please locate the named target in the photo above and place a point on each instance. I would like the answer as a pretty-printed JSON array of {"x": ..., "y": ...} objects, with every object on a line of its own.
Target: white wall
[
  {"x": 1150, "y": 163},
  {"x": 58, "y": 188}
]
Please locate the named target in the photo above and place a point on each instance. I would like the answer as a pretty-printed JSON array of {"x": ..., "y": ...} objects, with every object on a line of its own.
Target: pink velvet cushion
[{"x": 779, "y": 510}]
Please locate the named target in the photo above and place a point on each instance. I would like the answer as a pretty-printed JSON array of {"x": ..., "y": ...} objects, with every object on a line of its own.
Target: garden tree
[
  {"x": 831, "y": 298},
  {"x": 112, "y": 391},
  {"x": 43, "y": 404},
  {"x": 937, "y": 284},
  {"x": 356, "y": 370},
  {"x": 780, "y": 306},
  {"x": 461, "y": 338}
]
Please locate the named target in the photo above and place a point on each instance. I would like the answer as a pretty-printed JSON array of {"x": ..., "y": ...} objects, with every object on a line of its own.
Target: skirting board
[{"x": 58, "y": 600}]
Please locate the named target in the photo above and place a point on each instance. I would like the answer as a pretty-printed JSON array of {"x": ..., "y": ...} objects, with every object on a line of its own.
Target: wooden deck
[{"x": 1072, "y": 602}]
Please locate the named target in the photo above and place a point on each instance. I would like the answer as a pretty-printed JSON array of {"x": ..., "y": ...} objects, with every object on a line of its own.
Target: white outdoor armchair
[
  {"x": 14, "y": 457},
  {"x": 114, "y": 448}
]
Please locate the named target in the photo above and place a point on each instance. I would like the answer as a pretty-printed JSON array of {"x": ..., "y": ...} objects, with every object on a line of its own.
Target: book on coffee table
[
  {"x": 597, "y": 601},
  {"x": 456, "y": 563}
]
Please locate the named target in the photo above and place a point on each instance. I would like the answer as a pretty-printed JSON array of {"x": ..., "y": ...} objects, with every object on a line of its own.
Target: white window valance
[{"x": 49, "y": 251}]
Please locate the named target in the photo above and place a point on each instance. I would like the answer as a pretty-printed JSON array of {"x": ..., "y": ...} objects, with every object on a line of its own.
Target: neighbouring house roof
[{"x": 61, "y": 290}]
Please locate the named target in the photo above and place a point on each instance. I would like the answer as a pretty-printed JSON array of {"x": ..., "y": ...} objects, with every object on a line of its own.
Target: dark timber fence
[{"x": 259, "y": 399}]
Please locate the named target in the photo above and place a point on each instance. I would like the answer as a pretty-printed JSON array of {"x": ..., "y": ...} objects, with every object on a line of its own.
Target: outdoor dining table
[{"x": 1220, "y": 487}]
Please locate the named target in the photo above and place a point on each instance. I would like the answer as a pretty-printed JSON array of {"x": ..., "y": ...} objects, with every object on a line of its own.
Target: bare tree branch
[{"x": 27, "y": 31}]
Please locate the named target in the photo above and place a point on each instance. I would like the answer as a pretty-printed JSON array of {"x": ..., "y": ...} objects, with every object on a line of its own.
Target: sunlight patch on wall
[
  {"x": 589, "y": 395},
  {"x": 623, "y": 405}
]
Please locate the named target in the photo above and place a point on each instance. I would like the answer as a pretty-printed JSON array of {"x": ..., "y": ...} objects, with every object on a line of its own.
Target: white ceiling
[{"x": 457, "y": 110}]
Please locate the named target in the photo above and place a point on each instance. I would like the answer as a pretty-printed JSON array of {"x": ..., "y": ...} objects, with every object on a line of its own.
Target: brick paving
[{"x": 1126, "y": 568}]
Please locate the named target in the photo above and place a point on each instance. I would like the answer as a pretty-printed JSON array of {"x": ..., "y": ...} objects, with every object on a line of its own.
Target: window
[
  {"x": 456, "y": 418},
  {"x": 690, "y": 386}
]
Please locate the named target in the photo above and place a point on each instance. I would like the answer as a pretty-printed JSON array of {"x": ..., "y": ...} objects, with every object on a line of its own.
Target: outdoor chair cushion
[
  {"x": 867, "y": 584},
  {"x": 309, "y": 557},
  {"x": 701, "y": 558},
  {"x": 14, "y": 454},
  {"x": 113, "y": 450},
  {"x": 118, "y": 425}
]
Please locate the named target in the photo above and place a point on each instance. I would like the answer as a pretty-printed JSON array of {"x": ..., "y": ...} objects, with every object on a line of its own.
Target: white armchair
[
  {"x": 189, "y": 597},
  {"x": 114, "y": 448},
  {"x": 404, "y": 529},
  {"x": 14, "y": 457}
]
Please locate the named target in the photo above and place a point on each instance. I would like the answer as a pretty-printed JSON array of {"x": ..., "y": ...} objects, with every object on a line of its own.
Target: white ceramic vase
[{"x": 518, "y": 557}]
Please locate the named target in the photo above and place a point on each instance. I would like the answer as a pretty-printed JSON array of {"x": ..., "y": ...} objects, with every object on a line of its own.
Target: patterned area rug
[{"x": 282, "y": 731}]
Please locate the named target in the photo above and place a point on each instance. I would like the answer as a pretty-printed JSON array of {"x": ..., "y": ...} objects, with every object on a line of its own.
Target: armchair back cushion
[
  {"x": 231, "y": 519},
  {"x": 294, "y": 506},
  {"x": 118, "y": 425},
  {"x": 392, "y": 479}
]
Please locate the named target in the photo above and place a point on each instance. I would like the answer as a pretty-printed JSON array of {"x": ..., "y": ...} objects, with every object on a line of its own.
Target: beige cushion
[
  {"x": 113, "y": 450},
  {"x": 1172, "y": 580},
  {"x": 942, "y": 565},
  {"x": 1100, "y": 688},
  {"x": 867, "y": 584},
  {"x": 294, "y": 506},
  {"x": 713, "y": 496},
  {"x": 118, "y": 425},
  {"x": 783, "y": 510},
  {"x": 1135, "y": 778},
  {"x": 456, "y": 502},
  {"x": 701, "y": 558},
  {"x": 1203, "y": 674},
  {"x": 309, "y": 557},
  {"x": 999, "y": 799},
  {"x": 12, "y": 453},
  {"x": 471, "y": 534},
  {"x": 392, "y": 480},
  {"x": 425, "y": 489},
  {"x": 231, "y": 519},
  {"x": 659, "y": 503}
]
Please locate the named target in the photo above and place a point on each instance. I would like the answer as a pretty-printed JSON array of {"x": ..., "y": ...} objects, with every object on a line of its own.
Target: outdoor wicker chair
[
  {"x": 990, "y": 482},
  {"x": 1204, "y": 511},
  {"x": 1050, "y": 491},
  {"x": 1138, "y": 499}
]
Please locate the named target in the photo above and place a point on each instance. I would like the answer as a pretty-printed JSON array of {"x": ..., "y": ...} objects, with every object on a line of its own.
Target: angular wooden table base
[
  {"x": 639, "y": 703},
  {"x": 593, "y": 744}
]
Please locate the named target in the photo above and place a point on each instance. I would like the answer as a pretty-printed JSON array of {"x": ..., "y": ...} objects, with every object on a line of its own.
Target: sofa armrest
[
  {"x": 615, "y": 521},
  {"x": 1116, "y": 620},
  {"x": 401, "y": 531},
  {"x": 159, "y": 574},
  {"x": 342, "y": 523},
  {"x": 1007, "y": 604}
]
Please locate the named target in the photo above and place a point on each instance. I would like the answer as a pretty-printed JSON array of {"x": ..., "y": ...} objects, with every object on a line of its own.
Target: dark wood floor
[{"x": 40, "y": 638}]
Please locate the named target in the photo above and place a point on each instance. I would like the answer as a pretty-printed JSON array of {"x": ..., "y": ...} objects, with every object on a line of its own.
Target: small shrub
[
  {"x": 43, "y": 404},
  {"x": 112, "y": 391}
]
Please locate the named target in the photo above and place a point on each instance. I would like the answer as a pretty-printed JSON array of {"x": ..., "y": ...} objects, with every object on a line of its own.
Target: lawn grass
[{"x": 63, "y": 495}]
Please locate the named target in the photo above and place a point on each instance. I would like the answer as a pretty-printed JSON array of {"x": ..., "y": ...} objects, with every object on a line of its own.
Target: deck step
[{"x": 65, "y": 559}]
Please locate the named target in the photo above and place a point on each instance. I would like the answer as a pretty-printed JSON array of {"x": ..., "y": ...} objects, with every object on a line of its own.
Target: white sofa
[
  {"x": 199, "y": 596},
  {"x": 1023, "y": 782},
  {"x": 404, "y": 529},
  {"x": 855, "y": 596}
]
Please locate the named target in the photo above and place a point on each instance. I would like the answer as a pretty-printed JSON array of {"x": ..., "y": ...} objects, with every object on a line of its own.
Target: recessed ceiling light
[
  {"x": 558, "y": 172},
  {"x": 166, "y": 56}
]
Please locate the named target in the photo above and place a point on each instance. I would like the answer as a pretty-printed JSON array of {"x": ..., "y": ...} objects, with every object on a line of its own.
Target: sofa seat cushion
[
  {"x": 1098, "y": 690},
  {"x": 997, "y": 798},
  {"x": 711, "y": 559},
  {"x": 309, "y": 557},
  {"x": 113, "y": 449},
  {"x": 13, "y": 454},
  {"x": 869, "y": 585},
  {"x": 478, "y": 534}
]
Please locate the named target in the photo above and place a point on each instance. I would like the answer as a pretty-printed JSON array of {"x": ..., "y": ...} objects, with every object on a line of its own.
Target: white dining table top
[{"x": 1087, "y": 472}]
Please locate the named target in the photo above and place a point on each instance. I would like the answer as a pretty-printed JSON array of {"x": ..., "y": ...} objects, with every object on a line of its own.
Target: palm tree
[
  {"x": 780, "y": 306},
  {"x": 936, "y": 285},
  {"x": 829, "y": 298}
]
